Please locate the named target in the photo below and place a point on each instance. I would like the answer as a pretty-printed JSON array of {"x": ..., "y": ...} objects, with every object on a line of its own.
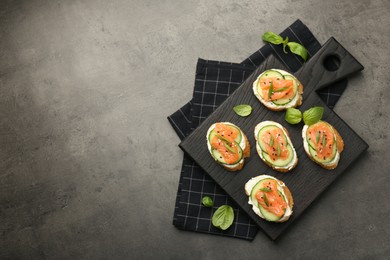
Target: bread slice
[
  {"x": 277, "y": 165},
  {"x": 243, "y": 144},
  {"x": 282, "y": 188},
  {"x": 331, "y": 163},
  {"x": 272, "y": 102}
]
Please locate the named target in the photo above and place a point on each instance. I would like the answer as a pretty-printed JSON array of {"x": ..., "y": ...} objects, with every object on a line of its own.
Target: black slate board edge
[
  {"x": 281, "y": 226},
  {"x": 331, "y": 52},
  {"x": 252, "y": 215}
]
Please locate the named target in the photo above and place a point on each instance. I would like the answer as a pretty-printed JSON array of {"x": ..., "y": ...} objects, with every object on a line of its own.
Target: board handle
[{"x": 329, "y": 65}]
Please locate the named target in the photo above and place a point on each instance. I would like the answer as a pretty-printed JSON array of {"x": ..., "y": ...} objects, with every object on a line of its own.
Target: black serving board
[{"x": 308, "y": 180}]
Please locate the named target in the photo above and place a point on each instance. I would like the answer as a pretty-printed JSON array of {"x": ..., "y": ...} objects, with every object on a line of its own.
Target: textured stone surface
[{"x": 89, "y": 165}]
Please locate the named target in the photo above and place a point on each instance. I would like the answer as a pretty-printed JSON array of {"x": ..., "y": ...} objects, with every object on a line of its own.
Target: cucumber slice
[
  {"x": 266, "y": 214},
  {"x": 314, "y": 155},
  {"x": 218, "y": 156},
  {"x": 309, "y": 141},
  {"x": 255, "y": 188},
  {"x": 295, "y": 82},
  {"x": 263, "y": 131},
  {"x": 283, "y": 101},
  {"x": 280, "y": 162},
  {"x": 220, "y": 159},
  {"x": 272, "y": 74},
  {"x": 237, "y": 139}
]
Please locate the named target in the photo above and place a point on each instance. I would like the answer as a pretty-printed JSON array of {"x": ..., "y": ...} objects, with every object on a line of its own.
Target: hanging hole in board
[{"x": 332, "y": 62}]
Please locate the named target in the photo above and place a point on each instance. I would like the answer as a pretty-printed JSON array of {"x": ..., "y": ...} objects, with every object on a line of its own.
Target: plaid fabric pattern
[{"x": 214, "y": 82}]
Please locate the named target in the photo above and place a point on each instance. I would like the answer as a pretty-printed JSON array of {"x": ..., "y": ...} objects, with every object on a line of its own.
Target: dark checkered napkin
[
  {"x": 191, "y": 215},
  {"x": 181, "y": 120},
  {"x": 214, "y": 82}
]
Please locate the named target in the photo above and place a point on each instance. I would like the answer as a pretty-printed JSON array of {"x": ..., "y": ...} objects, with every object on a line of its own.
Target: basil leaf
[
  {"x": 294, "y": 47},
  {"x": 293, "y": 116},
  {"x": 285, "y": 42},
  {"x": 271, "y": 141},
  {"x": 298, "y": 49},
  {"x": 313, "y": 115},
  {"x": 207, "y": 201},
  {"x": 323, "y": 141},
  {"x": 223, "y": 217},
  {"x": 272, "y": 38},
  {"x": 243, "y": 110},
  {"x": 278, "y": 150}
]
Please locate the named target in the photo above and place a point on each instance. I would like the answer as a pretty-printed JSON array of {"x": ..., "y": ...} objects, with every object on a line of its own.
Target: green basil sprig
[
  {"x": 296, "y": 48},
  {"x": 313, "y": 115},
  {"x": 223, "y": 217},
  {"x": 310, "y": 116},
  {"x": 207, "y": 201},
  {"x": 293, "y": 116},
  {"x": 243, "y": 110}
]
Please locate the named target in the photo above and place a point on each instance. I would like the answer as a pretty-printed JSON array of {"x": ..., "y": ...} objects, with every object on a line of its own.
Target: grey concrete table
[{"x": 89, "y": 165}]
